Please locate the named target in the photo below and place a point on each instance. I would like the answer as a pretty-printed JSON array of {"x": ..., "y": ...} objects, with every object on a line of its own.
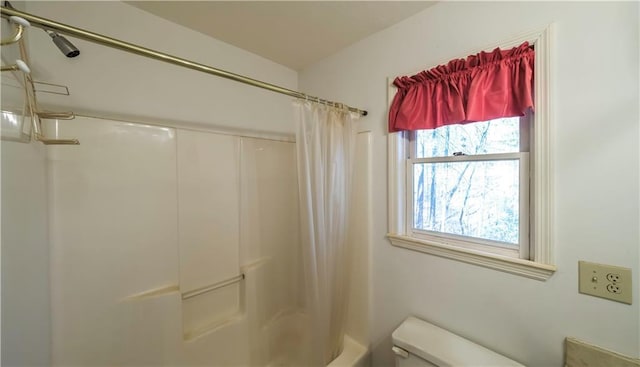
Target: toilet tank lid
[{"x": 444, "y": 348}]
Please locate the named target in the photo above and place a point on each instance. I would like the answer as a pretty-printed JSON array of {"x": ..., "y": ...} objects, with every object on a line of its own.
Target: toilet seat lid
[{"x": 444, "y": 348}]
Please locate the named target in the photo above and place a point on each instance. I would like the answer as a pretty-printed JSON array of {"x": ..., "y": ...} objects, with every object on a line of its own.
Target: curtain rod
[{"x": 152, "y": 54}]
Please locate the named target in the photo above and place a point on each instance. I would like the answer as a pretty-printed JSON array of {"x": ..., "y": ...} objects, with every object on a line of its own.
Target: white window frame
[{"x": 538, "y": 262}]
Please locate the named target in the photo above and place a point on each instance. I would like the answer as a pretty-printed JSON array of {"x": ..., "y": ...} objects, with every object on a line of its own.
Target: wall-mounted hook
[
  {"x": 21, "y": 24},
  {"x": 19, "y": 65}
]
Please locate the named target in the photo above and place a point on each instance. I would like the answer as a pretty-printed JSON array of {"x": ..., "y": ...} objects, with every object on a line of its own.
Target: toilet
[{"x": 417, "y": 343}]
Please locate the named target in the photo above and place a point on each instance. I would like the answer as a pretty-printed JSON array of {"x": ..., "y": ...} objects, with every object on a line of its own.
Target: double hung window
[
  {"x": 470, "y": 160},
  {"x": 468, "y": 186}
]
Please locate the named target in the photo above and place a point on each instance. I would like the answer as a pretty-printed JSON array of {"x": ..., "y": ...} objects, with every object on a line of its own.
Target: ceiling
[{"x": 292, "y": 33}]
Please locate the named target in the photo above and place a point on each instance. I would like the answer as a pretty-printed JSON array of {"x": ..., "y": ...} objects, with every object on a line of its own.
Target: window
[
  {"x": 469, "y": 186},
  {"x": 478, "y": 192}
]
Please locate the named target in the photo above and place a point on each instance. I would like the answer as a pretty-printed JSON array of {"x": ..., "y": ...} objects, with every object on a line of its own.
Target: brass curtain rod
[{"x": 44, "y": 23}]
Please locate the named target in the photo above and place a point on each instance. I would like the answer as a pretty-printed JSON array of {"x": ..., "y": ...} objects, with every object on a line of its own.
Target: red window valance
[{"x": 482, "y": 87}]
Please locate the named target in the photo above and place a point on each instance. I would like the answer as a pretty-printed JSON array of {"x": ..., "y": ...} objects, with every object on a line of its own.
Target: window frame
[{"x": 538, "y": 263}]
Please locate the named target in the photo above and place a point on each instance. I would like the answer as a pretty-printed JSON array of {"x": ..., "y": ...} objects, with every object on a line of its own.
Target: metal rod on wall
[
  {"x": 44, "y": 23},
  {"x": 212, "y": 287}
]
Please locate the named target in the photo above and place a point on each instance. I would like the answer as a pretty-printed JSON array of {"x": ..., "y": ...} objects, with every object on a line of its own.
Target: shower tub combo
[{"x": 175, "y": 246}]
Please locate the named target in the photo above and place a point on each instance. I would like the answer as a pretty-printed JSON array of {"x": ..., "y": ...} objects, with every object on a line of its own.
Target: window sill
[{"x": 525, "y": 268}]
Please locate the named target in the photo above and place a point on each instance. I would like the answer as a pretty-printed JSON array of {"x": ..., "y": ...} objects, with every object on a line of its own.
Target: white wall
[
  {"x": 110, "y": 82},
  {"x": 596, "y": 182},
  {"x": 26, "y": 324},
  {"x": 357, "y": 324}
]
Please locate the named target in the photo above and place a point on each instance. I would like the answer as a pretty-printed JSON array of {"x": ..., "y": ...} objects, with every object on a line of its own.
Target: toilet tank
[{"x": 418, "y": 343}]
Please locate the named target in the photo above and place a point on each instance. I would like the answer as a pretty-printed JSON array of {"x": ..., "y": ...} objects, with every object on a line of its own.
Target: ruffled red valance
[{"x": 482, "y": 87}]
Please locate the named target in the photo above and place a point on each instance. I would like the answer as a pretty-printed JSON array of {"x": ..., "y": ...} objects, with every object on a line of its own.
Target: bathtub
[
  {"x": 286, "y": 334},
  {"x": 353, "y": 355},
  {"x": 277, "y": 329}
]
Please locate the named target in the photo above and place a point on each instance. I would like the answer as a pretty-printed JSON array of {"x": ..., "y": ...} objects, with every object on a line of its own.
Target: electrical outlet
[
  {"x": 613, "y": 288},
  {"x": 605, "y": 281},
  {"x": 613, "y": 278}
]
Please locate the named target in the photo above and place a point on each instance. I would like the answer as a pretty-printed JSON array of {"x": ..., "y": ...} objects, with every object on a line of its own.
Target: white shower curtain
[{"x": 325, "y": 142}]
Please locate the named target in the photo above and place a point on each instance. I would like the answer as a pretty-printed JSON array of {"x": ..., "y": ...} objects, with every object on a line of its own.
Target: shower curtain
[{"x": 325, "y": 142}]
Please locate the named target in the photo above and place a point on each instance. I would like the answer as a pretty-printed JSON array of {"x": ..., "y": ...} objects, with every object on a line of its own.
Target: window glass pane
[
  {"x": 486, "y": 137},
  {"x": 473, "y": 198}
]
